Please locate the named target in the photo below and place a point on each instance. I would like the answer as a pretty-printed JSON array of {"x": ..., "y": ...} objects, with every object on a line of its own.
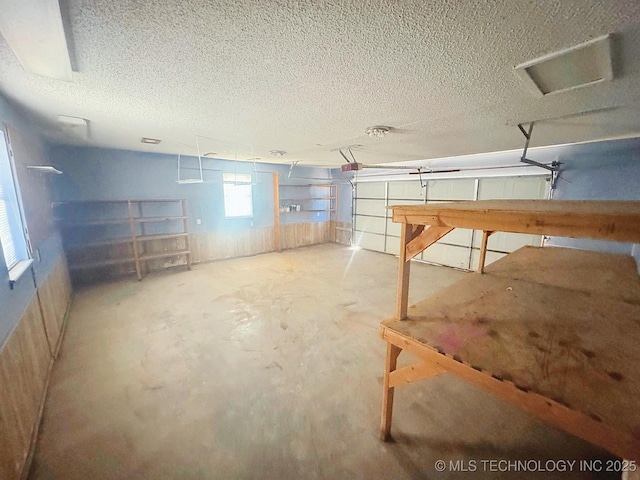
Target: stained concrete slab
[{"x": 266, "y": 367}]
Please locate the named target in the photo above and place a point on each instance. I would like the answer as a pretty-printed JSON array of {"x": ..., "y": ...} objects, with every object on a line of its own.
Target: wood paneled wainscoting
[
  {"x": 25, "y": 365},
  {"x": 217, "y": 245},
  {"x": 344, "y": 233}
]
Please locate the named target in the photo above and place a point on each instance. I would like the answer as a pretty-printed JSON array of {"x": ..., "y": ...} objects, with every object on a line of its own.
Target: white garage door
[{"x": 374, "y": 229}]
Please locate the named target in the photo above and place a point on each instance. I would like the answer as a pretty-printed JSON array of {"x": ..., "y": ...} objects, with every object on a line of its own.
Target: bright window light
[
  {"x": 238, "y": 196},
  {"x": 14, "y": 244}
]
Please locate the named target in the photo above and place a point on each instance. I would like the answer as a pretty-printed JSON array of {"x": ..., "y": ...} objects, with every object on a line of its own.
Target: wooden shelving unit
[
  {"x": 297, "y": 209},
  {"x": 125, "y": 234},
  {"x": 310, "y": 202}
]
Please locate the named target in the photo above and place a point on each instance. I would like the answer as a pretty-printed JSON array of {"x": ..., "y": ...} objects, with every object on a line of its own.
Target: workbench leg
[
  {"x": 387, "y": 392},
  {"x": 404, "y": 270},
  {"x": 483, "y": 250}
]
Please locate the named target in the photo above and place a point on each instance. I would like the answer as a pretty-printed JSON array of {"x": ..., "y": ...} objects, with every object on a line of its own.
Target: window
[
  {"x": 14, "y": 245},
  {"x": 238, "y": 200}
]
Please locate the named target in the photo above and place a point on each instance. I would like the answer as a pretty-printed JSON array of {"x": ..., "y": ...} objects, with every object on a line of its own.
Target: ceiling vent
[
  {"x": 74, "y": 127},
  {"x": 585, "y": 64}
]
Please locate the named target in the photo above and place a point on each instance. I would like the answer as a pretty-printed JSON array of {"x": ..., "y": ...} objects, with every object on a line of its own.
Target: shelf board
[
  {"x": 305, "y": 199},
  {"x": 152, "y": 256},
  {"x": 161, "y": 236},
  {"x": 159, "y": 219},
  {"x": 155, "y": 200},
  {"x": 107, "y": 221},
  {"x": 301, "y": 211},
  {"x": 101, "y": 243},
  {"x": 102, "y": 263},
  {"x": 119, "y": 241},
  {"x": 323, "y": 185},
  {"x": 80, "y": 202}
]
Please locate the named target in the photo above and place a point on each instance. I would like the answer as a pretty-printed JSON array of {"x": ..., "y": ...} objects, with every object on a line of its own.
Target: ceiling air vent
[{"x": 575, "y": 67}]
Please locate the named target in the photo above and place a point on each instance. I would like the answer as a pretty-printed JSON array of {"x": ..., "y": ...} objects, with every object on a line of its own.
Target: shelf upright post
[
  {"x": 276, "y": 213},
  {"x": 134, "y": 239},
  {"x": 335, "y": 212},
  {"x": 185, "y": 223}
]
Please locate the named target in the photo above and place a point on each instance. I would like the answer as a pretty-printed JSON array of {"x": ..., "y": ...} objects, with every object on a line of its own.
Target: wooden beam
[
  {"x": 574, "y": 422},
  {"x": 606, "y": 220},
  {"x": 483, "y": 250},
  {"x": 404, "y": 270},
  {"x": 276, "y": 212},
  {"x": 413, "y": 373},
  {"x": 387, "y": 391},
  {"x": 425, "y": 239}
]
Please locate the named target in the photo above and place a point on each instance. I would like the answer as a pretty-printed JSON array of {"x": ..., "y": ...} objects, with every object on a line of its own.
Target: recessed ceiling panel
[{"x": 579, "y": 66}]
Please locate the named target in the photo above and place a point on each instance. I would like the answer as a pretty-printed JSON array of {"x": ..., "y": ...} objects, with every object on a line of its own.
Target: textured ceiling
[{"x": 309, "y": 76}]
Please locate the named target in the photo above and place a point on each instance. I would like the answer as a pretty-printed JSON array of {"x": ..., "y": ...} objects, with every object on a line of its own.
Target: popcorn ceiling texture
[{"x": 309, "y": 76}]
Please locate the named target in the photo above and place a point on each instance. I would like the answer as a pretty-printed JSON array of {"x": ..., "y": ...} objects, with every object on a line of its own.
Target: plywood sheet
[{"x": 559, "y": 322}]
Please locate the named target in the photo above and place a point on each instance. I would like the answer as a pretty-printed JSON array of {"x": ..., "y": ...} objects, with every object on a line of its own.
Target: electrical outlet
[{"x": 198, "y": 221}]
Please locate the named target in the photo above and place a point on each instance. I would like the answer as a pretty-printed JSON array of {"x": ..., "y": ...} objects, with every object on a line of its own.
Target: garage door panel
[
  {"x": 522, "y": 188},
  {"x": 402, "y": 202},
  {"x": 458, "y": 236},
  {"x": 507, "y": 242},
  {"x": 406, "y": 190},
  {"x": 393, "y": 245},
  {"x": 370, "y": 207},
  {"x": 371, "y": 190},
  {"x": 373, "y": 218},
  {"x": 489, "y": 259},
  {"x": 370, "y": 241},
  {"x": 447, "y": 255},
  {"x": 393, "y": 228},
  {"x": 458, "y": 189},
  {"x": 370, "y": 224}
]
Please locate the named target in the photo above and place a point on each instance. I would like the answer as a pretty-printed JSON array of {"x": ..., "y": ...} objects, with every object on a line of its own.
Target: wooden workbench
[{"x": 552, "y": 330}]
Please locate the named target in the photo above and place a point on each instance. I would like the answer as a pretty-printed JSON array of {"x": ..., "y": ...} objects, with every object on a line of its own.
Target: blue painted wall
[
  {"x": 600, "y": 171},
  {"x": 47, "y": 251},
  {"x": 345, "y": 194},
  {"x": 106, "y": 174}
]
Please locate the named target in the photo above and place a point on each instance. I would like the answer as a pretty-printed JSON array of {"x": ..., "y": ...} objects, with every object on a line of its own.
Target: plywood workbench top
[{"x": 562, "y": 323}]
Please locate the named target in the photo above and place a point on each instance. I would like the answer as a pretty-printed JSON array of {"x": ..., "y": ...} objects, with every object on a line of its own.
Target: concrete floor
[{"x": 266, "y": 367}]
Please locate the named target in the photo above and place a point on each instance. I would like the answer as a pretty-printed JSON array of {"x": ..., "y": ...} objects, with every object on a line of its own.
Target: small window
[
  {"x": 14, "y": 245},
  {"x": 238, "y": 199}
]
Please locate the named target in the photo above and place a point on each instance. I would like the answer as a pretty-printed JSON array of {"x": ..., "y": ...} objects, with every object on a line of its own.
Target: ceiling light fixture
[
  {"x": 277, "y": 153},
  {"x": 210, "y": 154},
  {"x": 150, "y": 141},
  {"x": 377, "y": 131}
]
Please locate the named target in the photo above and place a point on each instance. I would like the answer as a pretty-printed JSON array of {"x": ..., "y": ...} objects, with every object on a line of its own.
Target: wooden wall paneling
[
  {"x": 303, "y": 234},
  {"x": 343, "y": 233},
  {"x": 54, "y": 295},
  {"x": 25, "y": 362},
  {"x": 163, "y": 245},
  {"x": 206, "y": 247}
]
